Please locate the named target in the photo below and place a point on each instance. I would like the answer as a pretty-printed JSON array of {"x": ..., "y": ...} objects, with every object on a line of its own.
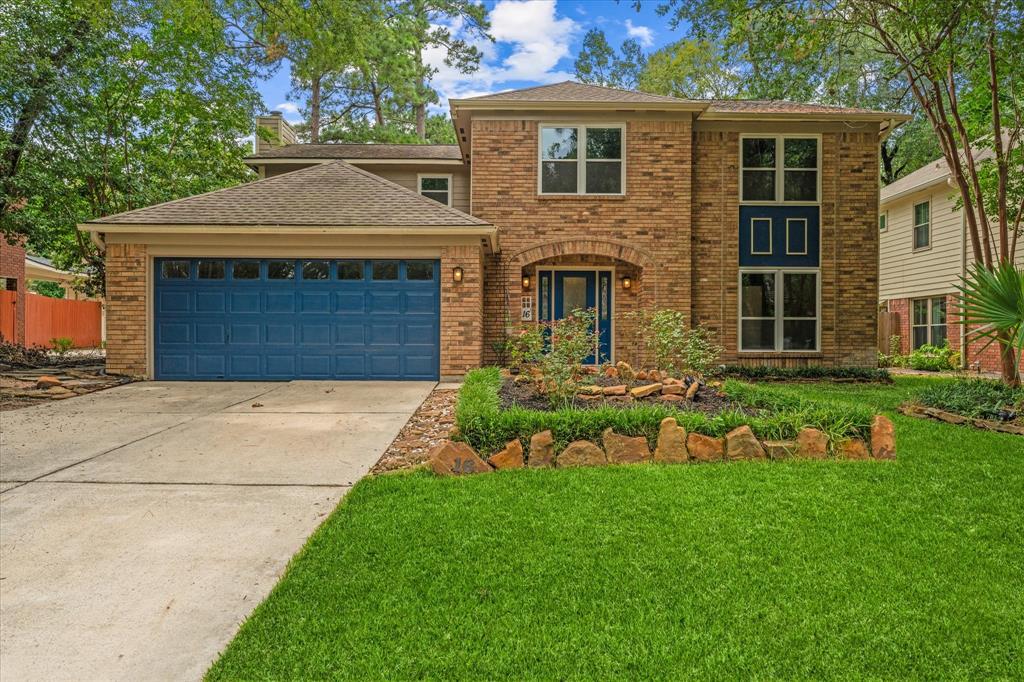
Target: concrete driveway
[{"x": 139, "y": 526}]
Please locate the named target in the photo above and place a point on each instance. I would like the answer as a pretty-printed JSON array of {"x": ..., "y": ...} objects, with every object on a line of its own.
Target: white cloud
[
  {"x": 641, "y": 33},
  {"x": 290, "y": 111},
  {"x": 533, "y": 39}
]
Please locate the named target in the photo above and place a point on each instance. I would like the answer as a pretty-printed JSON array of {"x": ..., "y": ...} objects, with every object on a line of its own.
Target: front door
[{"x": 563, "y": 291}]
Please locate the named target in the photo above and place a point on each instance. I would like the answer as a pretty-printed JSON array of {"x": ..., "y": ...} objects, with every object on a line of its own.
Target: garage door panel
[{"x": 298, "y": 326}]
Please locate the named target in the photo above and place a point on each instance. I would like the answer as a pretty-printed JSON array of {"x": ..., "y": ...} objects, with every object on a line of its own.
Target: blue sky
[{"x": 536, "y": 42}]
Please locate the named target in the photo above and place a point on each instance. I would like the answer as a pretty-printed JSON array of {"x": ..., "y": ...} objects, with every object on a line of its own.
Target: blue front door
[
  {"x": 563, "y": 291},
  {"x": 279, "y": 319}
]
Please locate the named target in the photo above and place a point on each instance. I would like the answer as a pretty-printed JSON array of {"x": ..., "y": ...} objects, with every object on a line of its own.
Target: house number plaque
[{"x": 527, "y": 309}]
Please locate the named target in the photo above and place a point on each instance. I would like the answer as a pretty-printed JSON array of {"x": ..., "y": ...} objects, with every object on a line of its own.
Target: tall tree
[
  {"x": 599, "y": 63},
  {"x": 691, "y": 69},
  {"x": 152, "y": 104}
]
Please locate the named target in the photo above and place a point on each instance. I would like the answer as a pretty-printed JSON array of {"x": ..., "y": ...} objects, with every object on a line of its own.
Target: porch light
[
  {"x": 627, "y": 282},
  {"x": 457, "y": 274},
  {"x": 526, "y": 281}
]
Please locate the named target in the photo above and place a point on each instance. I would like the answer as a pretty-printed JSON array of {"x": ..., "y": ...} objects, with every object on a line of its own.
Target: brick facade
[
  {"x": 462, "y": 322},
  {"x": 646, "y": 231},
  {"x": 127, "y": 325},
  {"x": 12, "y": 267}
]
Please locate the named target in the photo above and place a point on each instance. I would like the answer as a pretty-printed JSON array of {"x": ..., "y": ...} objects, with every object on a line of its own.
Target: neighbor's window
[
  {"x": 928, "y": 323},
  {"x": 779, "y": 311},
  {"x": 437, "y": 187},
  {"x": 581, "y": 160},
  {"x": 779, "y": 169},
  {"x": 922, "y": 225},
  {"x": 883, "y": 221}
]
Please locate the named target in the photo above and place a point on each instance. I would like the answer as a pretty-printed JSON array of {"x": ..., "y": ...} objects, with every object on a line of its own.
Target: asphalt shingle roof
[
  {"x": 769, "y": 106},
  {"x": 571, "y": 91},
  {"x": 348, "y": 150},
  {"x": 335, "y": 194}
]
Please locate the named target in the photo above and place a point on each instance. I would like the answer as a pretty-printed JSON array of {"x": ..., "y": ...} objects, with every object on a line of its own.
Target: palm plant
[{"x": 992, "y": 305}]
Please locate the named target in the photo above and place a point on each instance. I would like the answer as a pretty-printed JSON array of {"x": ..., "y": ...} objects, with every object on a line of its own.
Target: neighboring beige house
[
  {"x": 924, "y": 250},
  {"x": 39, "y": 269}
]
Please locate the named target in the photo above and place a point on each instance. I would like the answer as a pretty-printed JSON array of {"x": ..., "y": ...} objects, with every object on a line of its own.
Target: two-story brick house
[{"x": 758, "y": 219}]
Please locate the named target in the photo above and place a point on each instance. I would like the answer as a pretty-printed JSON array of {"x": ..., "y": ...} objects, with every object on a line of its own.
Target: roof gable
[{"x": 334, "y": 194}]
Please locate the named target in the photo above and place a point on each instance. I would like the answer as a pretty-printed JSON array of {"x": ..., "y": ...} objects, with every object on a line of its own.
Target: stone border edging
[
  {"x": 923, "y": 412},
  {"x": 674, "y": 446}
]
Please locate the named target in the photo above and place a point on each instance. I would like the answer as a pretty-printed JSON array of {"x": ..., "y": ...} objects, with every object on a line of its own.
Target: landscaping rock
[
  {"x": 641, "y": 375},
  {"x": 47, "y": 381},
  {"x": 671, "y": 448},
  {"x": 581, "y": 453},
  {"x": 654, "y": 375},
  {"x": 454, "y": 458},
  {"x": 611, "y": 372},
  {"x": 704, "y": 448},
  {"x": 590, "y": 389},
  {"x": 741, "y": 443},
  {"x": 671, "y": 381},
  {"x": 671, "y": 389},
  {"x": 692, "y": 390},
  {"x": 811, "y": 444},
  {"x": 625, "y": 449},
  {"x": 614, "y": 390},
  {"x": 624, "y": 371},
  {"x": 589, "y": 398},
  {"x": 58, "y": 393},
  {"x": 510, "y": 457},
  {"x": 779, "y": 449},
  {"x": 542, "y": 449},
  {"x": 672, "y": 398},
  {"x": 644, "y": 391},
  {"x": 883, "y": 438},
  {"x": 855, "y": 448}
]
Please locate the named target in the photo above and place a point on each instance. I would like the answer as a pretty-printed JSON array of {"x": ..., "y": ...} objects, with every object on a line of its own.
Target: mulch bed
[
  {"x": 431, "y": 424},
  {"x": 79, "y": 372},
  {"x": 524, "y": 394}
]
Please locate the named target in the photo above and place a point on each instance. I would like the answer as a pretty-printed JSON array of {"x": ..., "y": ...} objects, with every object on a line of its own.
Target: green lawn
[{"x": 913, "y": 568}]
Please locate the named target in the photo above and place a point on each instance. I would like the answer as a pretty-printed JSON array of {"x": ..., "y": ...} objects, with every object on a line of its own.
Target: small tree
[
  {"x": 993, "y": 303},
  {"x": 572, "y": 340}
]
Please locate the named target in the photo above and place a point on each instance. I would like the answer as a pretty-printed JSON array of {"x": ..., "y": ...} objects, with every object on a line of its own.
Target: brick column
[
  {"x": 126, "y": 309},
  {"x": 12, "y": 266},
  {"x": 462, "y": 306}
]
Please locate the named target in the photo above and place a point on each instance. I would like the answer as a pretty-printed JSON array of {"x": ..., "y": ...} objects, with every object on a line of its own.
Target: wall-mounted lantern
[
  {"x": 457, "y": 274},
  {"x": 526, "y": 282},
  {"x": 627, "y": 282}
]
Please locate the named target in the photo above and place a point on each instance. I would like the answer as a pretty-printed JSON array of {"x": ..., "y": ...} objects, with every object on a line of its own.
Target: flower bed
[
  {"x": 981, "y": 403},
  {"x": 778, "y": 425}
]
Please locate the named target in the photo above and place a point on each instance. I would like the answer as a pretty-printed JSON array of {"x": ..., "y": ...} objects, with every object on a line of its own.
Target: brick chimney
[{"x": 281, "y": 132}]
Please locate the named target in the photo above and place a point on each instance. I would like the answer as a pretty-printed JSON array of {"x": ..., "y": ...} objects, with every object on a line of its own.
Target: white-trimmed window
[
  {"x": 883, "y": 221},
  {"x": 779, "y": 310},
  {"x": 577, "y": 159},
  {"x": 928, "y": 321},
  {"x": 436, "y": 187},
  {"x": 780, "y": 169},
  {"x": 922, "y": 225}
]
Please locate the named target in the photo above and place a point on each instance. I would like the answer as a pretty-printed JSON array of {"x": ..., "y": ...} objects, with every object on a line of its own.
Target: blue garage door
[{"x": 225, "y": 318}]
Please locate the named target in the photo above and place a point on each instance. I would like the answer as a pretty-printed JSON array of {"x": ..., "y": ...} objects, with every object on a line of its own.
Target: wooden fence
[
  {"x": 888, "y": 326},
  {"x": 53, "y": 318}
]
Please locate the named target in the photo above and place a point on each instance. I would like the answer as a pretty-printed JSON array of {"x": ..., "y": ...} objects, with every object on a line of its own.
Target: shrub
[
  {"x": 62, "y": 344},
  {"x": 484, "y": 425},
  {"x": 525, "y": 346},
  {"x": 815, "y": 372},
  {"x": 677, "y": 348},
  {"x": 974, "y": 398},
  {"x": 573, "y": 340},
  {"x": 931, "y": 358}
]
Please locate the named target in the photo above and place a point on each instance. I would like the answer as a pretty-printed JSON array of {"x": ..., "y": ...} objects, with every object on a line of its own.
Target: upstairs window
[
  {"x": 779, "y": 169},
  {"x": 883, "y": 221},
  {"x": 437, "y": 187},
  {"x": 581, "y": 160},
  {"x": 922, "y": 225}
]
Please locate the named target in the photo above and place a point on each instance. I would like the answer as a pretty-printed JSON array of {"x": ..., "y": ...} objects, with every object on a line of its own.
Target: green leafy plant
[
  {"x": 894, "y": 358},
  {"x": 571, "y": 341},
  {"x": 975, "y": 398},
  {"x": 993, "y": 308},
  {"x": 931, "y": 358},
  {"x": 678, "y": 348},
  {"x": 62, "y": 344},
  {"x": 524, "y": 346},
  {"x": 46, "y": 288}
]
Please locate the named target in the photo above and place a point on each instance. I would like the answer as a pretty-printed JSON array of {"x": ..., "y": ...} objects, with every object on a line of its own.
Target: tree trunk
[
  {"x": 1008, "y": 365},
  {"x": 421, "y": 120},
  {"x": 314, "y": 110},
  {"x": 378, "y": 105}
]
